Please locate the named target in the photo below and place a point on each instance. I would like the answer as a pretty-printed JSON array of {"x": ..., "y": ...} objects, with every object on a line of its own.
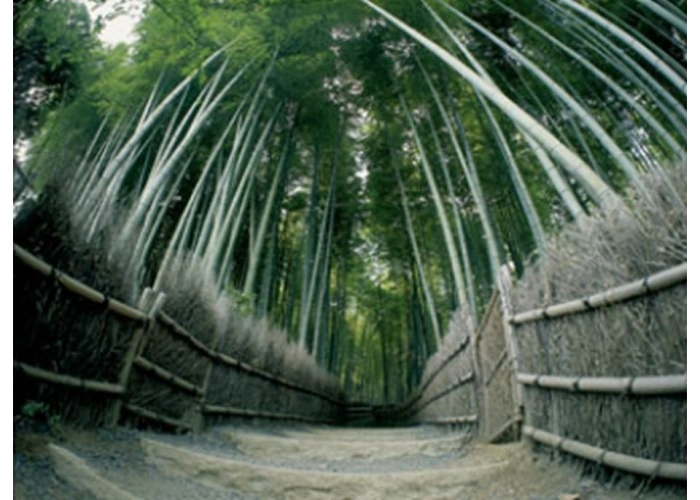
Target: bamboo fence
[
  {"x": 667, "y": 386},
  {"x": 77, "y": 287},
  {"x": 628, "y": 463},
  {"x": 645, "y": 286},
  {"x": 490, "y": 328},
  {"x": 122, "y": 391},
  {"x": 492, "y": 364}
]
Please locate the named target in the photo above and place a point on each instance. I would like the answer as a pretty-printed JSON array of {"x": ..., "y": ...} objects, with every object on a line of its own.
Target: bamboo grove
[{"x": 354, "y": 171}]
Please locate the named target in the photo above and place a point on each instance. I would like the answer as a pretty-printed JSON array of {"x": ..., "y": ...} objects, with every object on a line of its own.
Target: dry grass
[{"x": 645, "y": 336}]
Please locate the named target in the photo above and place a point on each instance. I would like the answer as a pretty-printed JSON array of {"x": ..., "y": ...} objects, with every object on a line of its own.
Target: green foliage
[
  {"x": 243, "y": 302},
  {"x": 52, "y": 45},
  {"x": 337, "y": 72},
  {"x": 40, "y": 415}
]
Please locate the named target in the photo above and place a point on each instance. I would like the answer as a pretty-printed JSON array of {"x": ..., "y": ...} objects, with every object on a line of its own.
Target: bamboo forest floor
[{"x": 290, "y": 462}]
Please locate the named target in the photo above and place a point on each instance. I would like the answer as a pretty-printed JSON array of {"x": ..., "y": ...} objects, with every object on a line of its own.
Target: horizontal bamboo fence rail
[
  {"x": 628, "y": 463},
  {"x": 156, "y": 417},
  {"x": 176, "y": 329},
  {"x": 466, "y": 419},
  {"x": 167, "y": 376},
  {"x": 508, "y": 425},
  {"x": 68, "y": 380},
  {"x": 242, "y": 412},
  {"x": 450, "y": 388},
  {"x": 458, "y": 350},
  {"x": 77, "y": 287},
  {"x": 644, "y": 386},
  {"x": 499, "y": 362},
  {"x": 418, "y": 393},
  {"x": 653, "y": 283}
]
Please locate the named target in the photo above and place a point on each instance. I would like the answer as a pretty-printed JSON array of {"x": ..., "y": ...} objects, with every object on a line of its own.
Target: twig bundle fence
[
  {"x": 446, "y": 394},
  {"x": 150, "y": 368},
  {"x": 624, "y": 417},
  {"x": 470, "y": 379},
  {"x": 600, "y": 327}
]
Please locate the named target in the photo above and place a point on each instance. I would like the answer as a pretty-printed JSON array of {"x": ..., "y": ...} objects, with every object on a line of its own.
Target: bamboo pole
[
  {"x": 628, "y": 463},
  {"x": 466, "y": 419},
  {"x": 499, "y": 362},
  {"x": 511, "y": 423},
  {"x": 167, "y": 376},
  {"x": 660, "y": 385},
  {"x": 450, "y": 388},
  {"x": 151, "y": 415},
  {"x": 417, "y": 394},
  {"x": 77, "y": 287},
  {"x": 653, "y": 283},
  {"x": 68, "y": 380}
]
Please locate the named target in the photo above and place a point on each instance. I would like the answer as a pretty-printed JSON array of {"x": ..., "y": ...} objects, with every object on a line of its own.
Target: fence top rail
[
  {"x": 174, "y": 327},
  {"x": 78, "y": 287},
  {"x": 647, "y": 386},
  {"x": 644, "y": 286}
]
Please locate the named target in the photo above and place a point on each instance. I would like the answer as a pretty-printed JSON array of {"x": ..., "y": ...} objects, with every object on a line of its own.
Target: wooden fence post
[
  {"x": 151, "y": 303},
  {"x": 479, "y": 386},
  {"x": 505, "y": 286},
  {"x": 199, "y": 424}
]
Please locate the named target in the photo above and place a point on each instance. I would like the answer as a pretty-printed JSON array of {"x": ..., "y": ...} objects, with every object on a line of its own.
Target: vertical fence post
[
  {"x": 505, "y": 287},
  {"x": 479, "y": 386},
  {"x": 200, "y": 423},
  {"x": 150, "y": 302}
]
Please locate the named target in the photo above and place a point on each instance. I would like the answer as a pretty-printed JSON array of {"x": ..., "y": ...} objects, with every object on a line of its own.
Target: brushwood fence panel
[
  {"x": 604, "y": 375},
  {"x": 100, "y": 362},
  {"x": 475, "y": 382},
  {"x": 498, "y": 412}
]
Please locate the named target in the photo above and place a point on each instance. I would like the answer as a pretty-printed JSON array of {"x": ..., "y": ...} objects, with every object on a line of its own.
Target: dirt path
[{"x": 309, "y": 463}]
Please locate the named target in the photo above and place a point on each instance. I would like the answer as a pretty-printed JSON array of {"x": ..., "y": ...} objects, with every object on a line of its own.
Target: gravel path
[{"x": 299, "y": 463}]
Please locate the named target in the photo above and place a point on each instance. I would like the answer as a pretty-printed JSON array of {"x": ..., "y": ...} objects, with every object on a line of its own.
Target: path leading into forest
[{"x": 293, "y": 463}]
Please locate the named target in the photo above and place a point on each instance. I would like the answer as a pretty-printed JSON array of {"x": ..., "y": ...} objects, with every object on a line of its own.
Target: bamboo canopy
[
  {"x": 628, "y": 463},
  {"x": 654, "y": 283}
]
